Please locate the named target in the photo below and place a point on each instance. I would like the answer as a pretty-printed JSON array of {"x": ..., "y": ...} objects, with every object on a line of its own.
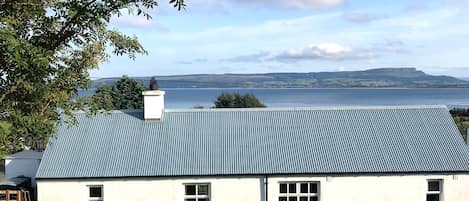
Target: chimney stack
[{"x": 153, "y": 102}]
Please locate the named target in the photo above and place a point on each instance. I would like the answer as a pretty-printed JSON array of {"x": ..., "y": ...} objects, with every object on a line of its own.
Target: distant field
[{"x": 381, "y": 78}]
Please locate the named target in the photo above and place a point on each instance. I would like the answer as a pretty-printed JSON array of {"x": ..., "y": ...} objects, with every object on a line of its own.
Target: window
[
  {"x": 197, "y": 192},
  {"x": 434, "y": 189},
  {"x": 95, "y": 193},
  {"x": 299, "y": 191}
]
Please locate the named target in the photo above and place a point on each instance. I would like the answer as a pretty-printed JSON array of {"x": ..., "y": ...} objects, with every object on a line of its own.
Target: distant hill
[
  {"x": 464, "y": 78},
  {"x": 381, "y": 77}
]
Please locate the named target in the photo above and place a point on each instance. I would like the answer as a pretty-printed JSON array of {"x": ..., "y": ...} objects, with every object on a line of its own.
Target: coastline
[{"x": 296, "y": 88}]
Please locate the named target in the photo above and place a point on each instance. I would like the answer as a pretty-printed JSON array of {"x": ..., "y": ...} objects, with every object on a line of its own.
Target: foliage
[
  {"x": 124, "y": 94},
  {"x": 459, "y": 112},
  {"x": 461, "y": 118},
  {"x": 47, "y": 48},
  {"x": 198, "y": 106},
  {"x": 235, "y": 100}
]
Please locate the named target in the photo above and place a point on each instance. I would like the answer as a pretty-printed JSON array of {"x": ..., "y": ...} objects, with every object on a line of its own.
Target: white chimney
[{"x": 153, "y": 104}]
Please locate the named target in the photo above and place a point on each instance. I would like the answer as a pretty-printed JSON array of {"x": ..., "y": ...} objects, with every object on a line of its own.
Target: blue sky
[{"x": 261, "y": 36}]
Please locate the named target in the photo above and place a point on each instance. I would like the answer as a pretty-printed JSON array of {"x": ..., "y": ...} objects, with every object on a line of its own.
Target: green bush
[{"x": 236, "y": 100}]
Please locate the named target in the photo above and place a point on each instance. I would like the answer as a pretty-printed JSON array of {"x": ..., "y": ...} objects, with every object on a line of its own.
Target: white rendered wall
[
  {"x": 226, "y": 189},
  {"x": 380, "y": 188},
  {"x": 339, "y": 188},
  {"x": 21, "y": 167}
]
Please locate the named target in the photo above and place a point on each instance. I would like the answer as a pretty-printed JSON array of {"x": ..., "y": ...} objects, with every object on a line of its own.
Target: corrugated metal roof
[
  {"x": 258, "y": 141},
  {"x": 25, "y": 154}
]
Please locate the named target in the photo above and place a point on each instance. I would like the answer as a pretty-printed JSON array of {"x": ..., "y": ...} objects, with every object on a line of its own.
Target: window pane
[
  {"x": 304, "y": 188},
  {"x": 192, "y": 199},
  {"x": 282, "y": 199},
  {"x": 203, "y": 199},
  {"x": 433, "y": 197},
  {"x": 433, "y": 185},
  {"x": 292, "y": 199},
  {"x": 190, "y": 190},
  {"x": 96, "y": 192},
  {"x": 303, "y": 198},
  {"x": 3, "y": 196},
  {"x": 313, "y": 199},
  {"x": 203, "y": 190},
  {"x": 13, "y": 196},
  {"x": 283, "y": 188},
  {"x": 292, "y": 188},
  {"x": 313, "y": 187}
]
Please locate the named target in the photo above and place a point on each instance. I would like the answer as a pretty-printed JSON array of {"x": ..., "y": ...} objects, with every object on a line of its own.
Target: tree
[
  {"x": 126, "y": 93},
  {"x": 461, "y": 119},
  {"x": 47, "y": 48},
  {"x": 235, "y": 100}
]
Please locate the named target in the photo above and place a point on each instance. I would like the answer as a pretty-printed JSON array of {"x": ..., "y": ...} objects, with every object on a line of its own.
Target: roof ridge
[
  {"x": 349, "y": 107},
  {"x": 312, "y": 108}
]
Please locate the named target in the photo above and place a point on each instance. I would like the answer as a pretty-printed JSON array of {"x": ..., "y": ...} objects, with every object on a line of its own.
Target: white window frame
[
  {"x": 197, "y": 196},
  {"x": 440, "y": 192},
  {"x": 298, "y": 193},
  {"x": 95, "y": 198}
]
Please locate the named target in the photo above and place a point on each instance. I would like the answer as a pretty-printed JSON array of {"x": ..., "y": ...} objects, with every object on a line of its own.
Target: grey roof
[
  {"x": 25, "y": 154},
  {"x": 258, "y": 141}
]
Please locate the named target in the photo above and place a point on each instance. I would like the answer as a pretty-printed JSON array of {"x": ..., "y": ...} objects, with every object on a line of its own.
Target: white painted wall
[
  {"x": 224, "y": 189},
  {"x": 22, "y": 167},
  {"x": 380, "y": 188},
  {"x": 338, "y": 188}
]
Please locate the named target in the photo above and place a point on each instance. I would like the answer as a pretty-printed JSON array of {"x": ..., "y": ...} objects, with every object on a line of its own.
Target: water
[{"x": 453, "y": 97}]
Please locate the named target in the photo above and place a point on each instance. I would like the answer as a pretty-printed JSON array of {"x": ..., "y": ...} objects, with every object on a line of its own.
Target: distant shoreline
[
  {"x": 374, "y": 78},
  {"x": 300, "y": 97},
  {"x": 273, "y": 88}
]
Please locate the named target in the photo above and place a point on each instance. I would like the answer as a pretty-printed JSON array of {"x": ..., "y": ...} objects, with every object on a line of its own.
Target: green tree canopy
[
  {"x": 126, "y": 93},
  {"x": 47, "y": 48},
  {"x": 236, "y": 100},
  {"x": 461, "y": 118}
]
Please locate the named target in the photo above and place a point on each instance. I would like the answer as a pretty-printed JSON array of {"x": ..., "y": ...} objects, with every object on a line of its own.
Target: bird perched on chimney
[{"x": 153, "y": 84}]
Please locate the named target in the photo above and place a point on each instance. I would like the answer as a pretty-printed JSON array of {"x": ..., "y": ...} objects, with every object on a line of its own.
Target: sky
[{"x": 263, "y": 36}]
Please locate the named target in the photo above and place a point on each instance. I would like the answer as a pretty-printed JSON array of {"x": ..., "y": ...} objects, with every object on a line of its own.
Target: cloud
[
  {"x": 257, "y": 57},
  {"x": 208, "y": 7},
  {"x": 360, "y": 17},
  {"x": 278, "y": 27},
  {"x": 325, "y": 52},
  {"x": 137, "y": 22},
  {"x": 198, "y": 60},
  {"x": 457, "y": 3},
  {"x": 302, "y": 4},
  {"x": 461, "y": 5},
  {"x": 416, "y": 7},
  {"x": 389, "y": 46}
]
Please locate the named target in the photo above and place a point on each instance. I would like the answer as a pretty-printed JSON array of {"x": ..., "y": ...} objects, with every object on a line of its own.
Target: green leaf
[{"x": 47, "y": 49}]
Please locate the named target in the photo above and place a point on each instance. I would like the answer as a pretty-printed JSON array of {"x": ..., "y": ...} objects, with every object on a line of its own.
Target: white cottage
[{"x": 392, "y": 153}]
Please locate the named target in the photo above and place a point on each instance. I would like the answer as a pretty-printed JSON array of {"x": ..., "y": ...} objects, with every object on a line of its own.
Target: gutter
[
  {"x": 331, "y": 174},
  {"x": 266, "y": 191}
]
